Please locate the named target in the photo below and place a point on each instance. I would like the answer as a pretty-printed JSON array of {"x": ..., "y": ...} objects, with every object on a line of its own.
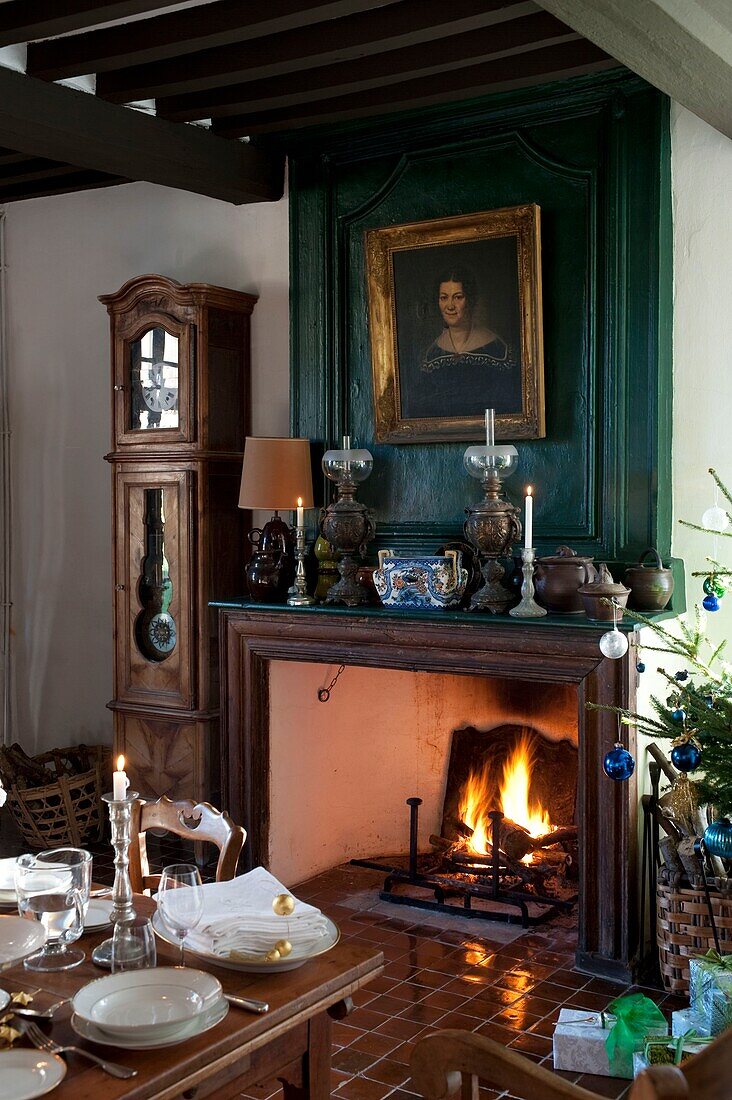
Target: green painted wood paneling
[{"x": 594, "y": 154}]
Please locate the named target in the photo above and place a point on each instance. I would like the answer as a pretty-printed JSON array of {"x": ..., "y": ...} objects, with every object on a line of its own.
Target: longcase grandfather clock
[{"x": 180, "y": 415}]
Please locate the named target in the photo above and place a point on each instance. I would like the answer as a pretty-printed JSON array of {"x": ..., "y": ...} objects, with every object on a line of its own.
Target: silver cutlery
[
  {"x": 36, "y": 1013},
  {"x": 42, "y": 1042},
  {"x": 247, "y": 1003}
]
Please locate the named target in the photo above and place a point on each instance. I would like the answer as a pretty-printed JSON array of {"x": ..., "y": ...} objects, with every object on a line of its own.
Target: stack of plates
[{"x": 145, "y": 1009}]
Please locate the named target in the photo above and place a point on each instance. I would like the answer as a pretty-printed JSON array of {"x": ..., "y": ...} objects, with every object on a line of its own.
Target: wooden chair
[
  {"x": 196, "y": 821},
  {"x": 444, "y": 1061}
]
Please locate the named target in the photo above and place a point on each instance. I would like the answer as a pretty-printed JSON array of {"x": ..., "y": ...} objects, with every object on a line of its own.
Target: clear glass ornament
[
  {"x": 715, "y": 519},
  {"x": 614, "y": 644}
]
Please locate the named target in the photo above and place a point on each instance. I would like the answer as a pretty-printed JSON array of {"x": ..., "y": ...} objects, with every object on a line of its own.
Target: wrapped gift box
[
  {"x": 711, "y": 992},
  {"x": 659, "y": 1054},
  {"x": 685, "y": 1020},
  {"x": 579, "y": 1043}
]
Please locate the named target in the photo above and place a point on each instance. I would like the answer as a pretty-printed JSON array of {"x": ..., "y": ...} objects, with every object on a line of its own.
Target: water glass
[
  {"x": 180, "y": 900},
  {"x": 133, "y": 945},
  {"x": 53, "y": 888}
]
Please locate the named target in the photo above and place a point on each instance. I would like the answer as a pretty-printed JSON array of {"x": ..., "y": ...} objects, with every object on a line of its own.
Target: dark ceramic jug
[
  {"x": 651, "y": 586},
  {"x": 558, "y": 579}
]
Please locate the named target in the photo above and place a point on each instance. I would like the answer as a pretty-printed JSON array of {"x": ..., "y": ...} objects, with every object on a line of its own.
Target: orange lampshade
[{"x": 275, "y": 473}]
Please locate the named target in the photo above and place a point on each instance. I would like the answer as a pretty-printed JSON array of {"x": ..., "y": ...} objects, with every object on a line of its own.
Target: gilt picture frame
[{"x": 455, "y": 319}]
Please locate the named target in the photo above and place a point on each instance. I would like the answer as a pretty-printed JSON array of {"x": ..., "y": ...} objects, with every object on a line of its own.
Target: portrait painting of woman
[{"x": 456, "y": 327}]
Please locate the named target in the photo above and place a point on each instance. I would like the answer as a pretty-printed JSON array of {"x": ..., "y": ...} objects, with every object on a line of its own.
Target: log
[
  {"x": 665, "y": 765},
  {"x": 441, "y": 843},
  {"x": 565, "y": 832},
  {"x": 514, "y": 839},
  {"x": 670, "y": 854},
  {"x": 690, "y": 860}
]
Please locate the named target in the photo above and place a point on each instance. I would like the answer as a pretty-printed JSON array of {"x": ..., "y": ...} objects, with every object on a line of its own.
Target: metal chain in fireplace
[{"x": 324, "y": 693}]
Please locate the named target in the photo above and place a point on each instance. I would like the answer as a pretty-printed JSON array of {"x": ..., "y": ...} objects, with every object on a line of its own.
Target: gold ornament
[
  {"x": 283, "y": 905},
  {"x": 284, "y": 947},
  {"x": 272, "y": 956},
  {"x": 682, "y": 798}
]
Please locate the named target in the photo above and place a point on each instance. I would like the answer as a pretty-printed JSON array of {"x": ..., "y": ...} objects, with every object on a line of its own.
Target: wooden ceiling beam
[
  {"x": 182, "y": 32},
  {"x": 377, "y": 70},
  {"x": 35, "y": 168},
  {"x": 82, "y": 181},
  {"x": 408, "y": 23},
  {"x": 550, "y": 63},
  {"x": 65, "y": 125},
  {"x": 25, "y": 20}
]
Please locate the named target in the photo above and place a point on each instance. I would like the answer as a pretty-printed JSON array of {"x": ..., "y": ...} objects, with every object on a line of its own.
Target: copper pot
[
  {"x": 558, "y": 579},
  {"x": 651, "y": 586}
]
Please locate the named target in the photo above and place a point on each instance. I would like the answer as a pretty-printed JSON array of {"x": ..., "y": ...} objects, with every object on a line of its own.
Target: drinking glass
[
  {"x": 180, "y": 898},
  {"x": 53, "y": 888},
  {"x": 133, "y": 945}
]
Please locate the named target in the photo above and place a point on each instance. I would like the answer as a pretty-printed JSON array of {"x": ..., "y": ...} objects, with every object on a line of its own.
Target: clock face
[
  {"x": 154, "y": 381},
  {"x": 161, "y": 632}
]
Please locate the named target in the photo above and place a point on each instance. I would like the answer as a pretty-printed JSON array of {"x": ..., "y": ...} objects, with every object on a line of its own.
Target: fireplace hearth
[{"x": 508, "y": 839}]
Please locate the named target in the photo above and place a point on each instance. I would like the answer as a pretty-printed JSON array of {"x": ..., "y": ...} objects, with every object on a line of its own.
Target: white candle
[
  {"x": 120, "y": 782},
  {"x": 490, "y": 427},
  {"x": 529, "y": 520},
  {"x": 300, "y": 511}
]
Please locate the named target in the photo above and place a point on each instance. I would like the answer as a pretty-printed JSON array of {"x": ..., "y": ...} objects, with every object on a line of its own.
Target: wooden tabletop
[{"x": 294, "y": 997}]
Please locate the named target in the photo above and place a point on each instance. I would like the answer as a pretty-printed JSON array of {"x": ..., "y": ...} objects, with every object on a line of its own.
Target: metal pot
[
  {"x": 558, "y": 579},
  {"x": 651, "y": 586}
]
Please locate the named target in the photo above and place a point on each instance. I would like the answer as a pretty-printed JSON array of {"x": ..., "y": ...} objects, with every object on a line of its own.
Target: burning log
[
  {"x": 441, "y": 843},
  {"x": 517, "y": 842}
]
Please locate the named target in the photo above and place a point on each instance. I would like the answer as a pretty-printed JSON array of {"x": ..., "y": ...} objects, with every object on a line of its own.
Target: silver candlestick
[
  {"x": 528, "y": 608},
  {"x": 120, "y": 816},
  {"x": 298, "y": 593}
]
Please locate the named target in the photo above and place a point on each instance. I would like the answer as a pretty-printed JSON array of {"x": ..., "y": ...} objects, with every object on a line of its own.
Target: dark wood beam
[
  {"x": 24, "y": 20},
  {"x": 549, "y": 63},
  {"x": 408, "y": 23},
  {"x": 62, "y": 124},
  {"x": 376, "y": 70},
  {"x": 35, "y": 168},
  {"x": 82, "y": 181},
  {"x": 182, "y": 32}
]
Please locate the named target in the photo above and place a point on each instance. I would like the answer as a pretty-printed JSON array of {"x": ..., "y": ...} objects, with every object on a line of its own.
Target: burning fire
[{"x": 514, "y": 800}]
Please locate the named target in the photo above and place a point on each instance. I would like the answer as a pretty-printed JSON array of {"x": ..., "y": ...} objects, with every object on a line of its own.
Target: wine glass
[
  {"x": 133, "y": 945},
  {"x": 53, "y": 888},
  {"x": 180, "y": 898}
]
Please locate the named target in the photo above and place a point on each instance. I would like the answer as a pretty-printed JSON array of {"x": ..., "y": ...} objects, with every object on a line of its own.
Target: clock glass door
[{"x": 154, "y": 381}]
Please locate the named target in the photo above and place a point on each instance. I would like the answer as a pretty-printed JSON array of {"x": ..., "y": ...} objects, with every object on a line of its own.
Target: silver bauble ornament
[
  {"x": 614, "y": 644},
  {"x": 715, "y": 519}
]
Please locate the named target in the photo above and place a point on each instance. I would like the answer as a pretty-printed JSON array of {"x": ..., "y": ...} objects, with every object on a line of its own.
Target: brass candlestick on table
[
  {"x": 493, "y": 525},
  {"x": 120, "y": 816},
  {"x": 299, "y": 593}
]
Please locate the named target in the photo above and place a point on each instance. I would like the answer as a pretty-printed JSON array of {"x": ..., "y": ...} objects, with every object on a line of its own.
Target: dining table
[{"x": 291, "y": 1042}]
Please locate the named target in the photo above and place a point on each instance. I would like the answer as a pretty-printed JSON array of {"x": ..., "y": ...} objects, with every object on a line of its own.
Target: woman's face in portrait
[{"x": 453, "y": 304}]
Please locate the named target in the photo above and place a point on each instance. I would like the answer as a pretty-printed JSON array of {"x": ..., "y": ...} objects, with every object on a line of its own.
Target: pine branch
[{"x": 720, "y": 484}]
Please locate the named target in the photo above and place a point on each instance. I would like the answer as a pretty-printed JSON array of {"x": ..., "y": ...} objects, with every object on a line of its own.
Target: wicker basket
[
  {"x": 69, "y": 810},
  {"x": 683, "y": 931}
]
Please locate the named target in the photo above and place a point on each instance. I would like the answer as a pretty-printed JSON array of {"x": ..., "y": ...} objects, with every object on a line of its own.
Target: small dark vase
[{"x": 271, "y": 569}]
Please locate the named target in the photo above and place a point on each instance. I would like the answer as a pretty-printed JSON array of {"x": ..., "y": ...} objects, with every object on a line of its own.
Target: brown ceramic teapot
[
  {"x": 558, "y": 579},
  {"x": 651, "y": 586}
]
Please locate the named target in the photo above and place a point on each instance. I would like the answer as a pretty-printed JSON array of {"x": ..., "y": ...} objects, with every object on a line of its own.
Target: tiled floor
[{"x": 439, "y": 973}]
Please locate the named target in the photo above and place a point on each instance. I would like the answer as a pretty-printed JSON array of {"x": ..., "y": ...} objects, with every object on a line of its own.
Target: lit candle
[
  {"x": 120, "y": 782},
  {"x": 490, "y": 427},
  {"x": 300, "y": 511},
  {"x": 529, "y": 520}
]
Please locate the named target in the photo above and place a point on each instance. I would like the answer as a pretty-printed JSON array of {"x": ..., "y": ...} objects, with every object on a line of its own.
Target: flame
[
  {"x": 120, "y": 763},
  {"x": 514, "y": 799}
]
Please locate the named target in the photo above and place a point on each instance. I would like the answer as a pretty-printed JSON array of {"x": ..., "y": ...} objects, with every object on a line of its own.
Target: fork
[{"x": 42, "y": 1042}]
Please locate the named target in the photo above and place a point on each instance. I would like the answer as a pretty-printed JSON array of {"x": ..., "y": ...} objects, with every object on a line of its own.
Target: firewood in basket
[{"x": 670, "y": 855}]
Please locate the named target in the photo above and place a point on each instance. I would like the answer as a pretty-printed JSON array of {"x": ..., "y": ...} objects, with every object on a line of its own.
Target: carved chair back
[
  {"x": 447, "y": 1061},
  {"x": 196, "y": 821}
]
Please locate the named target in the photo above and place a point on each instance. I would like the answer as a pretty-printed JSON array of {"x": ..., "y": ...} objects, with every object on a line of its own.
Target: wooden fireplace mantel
[{"x": 252, "y": 635}]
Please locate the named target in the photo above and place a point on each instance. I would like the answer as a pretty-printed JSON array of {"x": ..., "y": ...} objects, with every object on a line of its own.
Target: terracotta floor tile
[
  {"x": 521, "y": 983},
  {"x": 538, "y": 1006},
  {"x": 610, "y": 1087},
  {"x": 444, "y": 1000},
  {"x": 459, "y": 1020},
  {"x": 353, "y": 1061},
  {"x": 552, "y": 992},
  {"x": 407, "y": 991},
  {"x": 494, "y": 995},
  {"x": 400, "y": 1029},
  {"x": 364, "y": 996},
  {"x": 388, "y": 1072},
  {"x": 571, "y": 978},
  {"x": 497, "y": 1032},
  {"x": 532, "y": 1044},
  {"x": 360, "y": 1088},
  {"x": 593, "y": 1002},
  {"x": 366, "y": 1019},
  {"x": 344, "y": 1034},
  {"x": 534, "y": 970},
  {"x": 478, "y": 976},
  {"x": 422, "y": 1014},
  {"x": 373, "y": 1043},
  {"x": 517, "y": 1018},
  {"x": 544, "y": 1027},
  {"x": 429, "y": 978},
  {"x": 388, "y": 1006},
  {"x": 381, "y": 984}
]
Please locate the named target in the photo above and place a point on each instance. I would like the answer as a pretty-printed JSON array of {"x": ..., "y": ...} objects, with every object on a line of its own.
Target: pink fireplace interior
[{"x": 461, "y": 790}]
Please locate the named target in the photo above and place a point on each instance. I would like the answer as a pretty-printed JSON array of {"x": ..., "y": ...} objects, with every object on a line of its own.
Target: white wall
[{"x": 62, "y": 253}]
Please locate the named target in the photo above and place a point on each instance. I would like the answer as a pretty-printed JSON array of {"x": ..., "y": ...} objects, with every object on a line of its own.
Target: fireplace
[{"x": 543, "y": 673}]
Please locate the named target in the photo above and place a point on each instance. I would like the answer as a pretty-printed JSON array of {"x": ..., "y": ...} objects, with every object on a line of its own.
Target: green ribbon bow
[
  {"x": 674, "y": 1045},
  {"x": 713, "y": 956},
  {"x": 635, "y": 1015}
]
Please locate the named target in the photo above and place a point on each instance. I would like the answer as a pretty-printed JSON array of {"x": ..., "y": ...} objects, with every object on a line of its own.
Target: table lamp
[{"x": 276, "y": 474}]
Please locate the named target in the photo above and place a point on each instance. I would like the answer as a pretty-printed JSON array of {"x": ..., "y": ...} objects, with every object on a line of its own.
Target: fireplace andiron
[{"x": 476, "y": 878}]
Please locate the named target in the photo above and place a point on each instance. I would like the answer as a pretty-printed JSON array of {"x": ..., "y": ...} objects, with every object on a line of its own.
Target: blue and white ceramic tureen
[{"x": 421, "y": 584}]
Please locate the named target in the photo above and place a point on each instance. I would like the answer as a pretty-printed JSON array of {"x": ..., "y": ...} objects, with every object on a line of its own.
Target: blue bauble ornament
[
  {"x": 709, "y": 700},
  {"x": 686, "y": 757},
  {"x": 710, "y": 603},
  {"x": 681, "y": 676},
  {"x": 640, "y": 666},
  {"x": 678, "y": 715},
  {"x": 718, "y": 838},
  {"x": 618, "y": 764}
]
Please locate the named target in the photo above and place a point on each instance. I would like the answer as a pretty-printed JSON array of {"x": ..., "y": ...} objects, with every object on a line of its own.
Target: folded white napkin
[
  {"x": 238, "y": 916},
  {"x": 7, "y": 873}
]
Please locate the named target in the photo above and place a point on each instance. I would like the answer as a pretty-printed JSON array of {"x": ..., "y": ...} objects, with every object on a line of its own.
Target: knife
[{"x": 249, "y": 1005}]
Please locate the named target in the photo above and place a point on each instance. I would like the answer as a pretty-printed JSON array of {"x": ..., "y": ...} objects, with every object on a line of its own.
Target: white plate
[
  {"x": 148, "y": 1003},
  {"x": 4, "y": 1000},
  {"x": 98, "y": 914},
  {"x": 26, "y": 1074},
  {"x": 19, "y": 938},
  {"x": 298, "y": 957},
  {"x": 7, "y": 875},
  {"x": 190, "y": 1030}
]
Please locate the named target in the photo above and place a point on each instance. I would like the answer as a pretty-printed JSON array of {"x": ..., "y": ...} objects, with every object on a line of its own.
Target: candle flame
[
  {"x": 299, "y": 502},
  {"x": 529, "y": 490},
  {"x": 120, "y": 763}
]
